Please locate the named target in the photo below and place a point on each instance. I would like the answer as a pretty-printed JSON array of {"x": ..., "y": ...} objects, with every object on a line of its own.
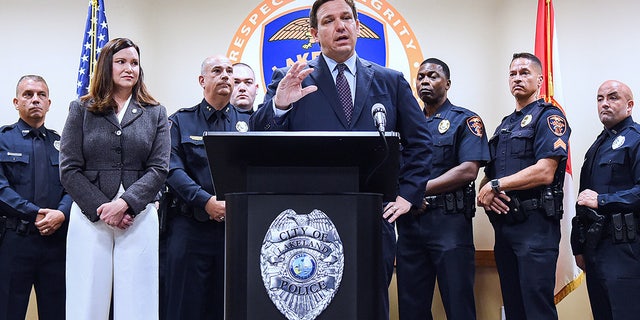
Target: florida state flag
[{"x": 568, "y": 275}]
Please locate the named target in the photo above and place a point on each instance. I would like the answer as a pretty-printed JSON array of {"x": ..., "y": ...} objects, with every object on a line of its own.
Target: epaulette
[
  {"x": 457, "y": 109},
  {"x": 7, "y": 127},
  {"x": 189, "y": 109},
  {"x": 635, "y": 127},
  {"x": 546, "y": 105},
  {"x": 464, "y": 111},
  {"x": 53, "y": 132}
]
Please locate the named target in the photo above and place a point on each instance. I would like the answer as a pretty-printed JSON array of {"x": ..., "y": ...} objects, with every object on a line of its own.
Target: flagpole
[
  {"x": 549, "y": 96},
  {"x": 94, "y": 28}
]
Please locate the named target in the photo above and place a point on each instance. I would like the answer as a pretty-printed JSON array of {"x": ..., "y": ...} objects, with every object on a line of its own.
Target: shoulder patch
[
  {"x": 476, "y": 126},
  {"x": 557, "y": 125}
]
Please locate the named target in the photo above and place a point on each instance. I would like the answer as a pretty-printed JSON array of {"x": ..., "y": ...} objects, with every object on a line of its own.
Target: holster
[
  {"x": 551, "y": 199},
  {"x": 469, "y": 200},
  {"x": 3, "y": 227},
  {"x": 590, "y": 224},
  {"x": 168, "y": 207},
  {"x": 516, "y": 214}
]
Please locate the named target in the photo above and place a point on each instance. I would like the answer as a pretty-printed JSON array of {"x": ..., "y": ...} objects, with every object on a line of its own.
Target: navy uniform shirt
[
  {"x": 520, "y": 141},
  {"x": 189, "y": 175},
  {"x": 612, "y": 168},
  {"x": 17, "y": 173},
  {"x": 458, "y": 136}
]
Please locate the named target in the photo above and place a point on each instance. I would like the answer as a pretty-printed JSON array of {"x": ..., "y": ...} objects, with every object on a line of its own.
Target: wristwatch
[{"x": 495, "y": 185}]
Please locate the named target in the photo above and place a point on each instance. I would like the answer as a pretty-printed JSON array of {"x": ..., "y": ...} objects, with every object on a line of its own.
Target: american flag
[{"x": 96, "y": 35}]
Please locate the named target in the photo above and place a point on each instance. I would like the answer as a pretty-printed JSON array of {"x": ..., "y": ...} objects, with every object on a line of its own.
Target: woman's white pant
[{"x": 100, "y": 258}]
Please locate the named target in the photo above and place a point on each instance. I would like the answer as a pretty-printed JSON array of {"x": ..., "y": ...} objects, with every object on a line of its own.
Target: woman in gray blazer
[{"x": 114, "y": 158}]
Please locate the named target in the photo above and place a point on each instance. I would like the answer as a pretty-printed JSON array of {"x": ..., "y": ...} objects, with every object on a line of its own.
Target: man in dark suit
[{"x": 306, "y": 97}]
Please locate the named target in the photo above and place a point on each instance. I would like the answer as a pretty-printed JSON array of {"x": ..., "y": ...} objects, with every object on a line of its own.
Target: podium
[{"x": 303, "y": 221}]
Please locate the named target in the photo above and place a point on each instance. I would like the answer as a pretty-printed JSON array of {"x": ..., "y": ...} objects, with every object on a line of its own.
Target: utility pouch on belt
[
  {"x": 449, "y": 202},
  {"x": 459, "y": 200},
  {"x": 630, "y": 222},
  {"x": 623, "y": 227},
  {"x": 618, "y": 227}
]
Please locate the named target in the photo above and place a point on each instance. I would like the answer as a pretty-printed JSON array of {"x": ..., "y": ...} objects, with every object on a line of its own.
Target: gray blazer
[{"x": 97, "y": 154}]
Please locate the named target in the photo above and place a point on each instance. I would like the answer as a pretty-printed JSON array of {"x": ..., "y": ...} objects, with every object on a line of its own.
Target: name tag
[{"x": 14, "y": 154}]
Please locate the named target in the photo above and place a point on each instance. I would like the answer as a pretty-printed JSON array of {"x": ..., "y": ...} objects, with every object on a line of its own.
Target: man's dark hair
[
  {"x": 441, "y": 63},
  {"x": 529, "y": 56},
  {"x": 313, "y": 14}
]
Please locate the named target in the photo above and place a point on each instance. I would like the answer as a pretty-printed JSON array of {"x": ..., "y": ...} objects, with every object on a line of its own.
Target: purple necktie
[{"x": 344, "y": 92}]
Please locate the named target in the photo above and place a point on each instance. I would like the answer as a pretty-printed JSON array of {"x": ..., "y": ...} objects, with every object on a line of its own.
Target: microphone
[{"x": 379, "y": 114}]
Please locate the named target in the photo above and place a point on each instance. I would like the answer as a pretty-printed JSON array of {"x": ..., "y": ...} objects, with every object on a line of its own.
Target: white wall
[
  {"x": 476, "y": 39},
  {"x": 597, "y": 41}
]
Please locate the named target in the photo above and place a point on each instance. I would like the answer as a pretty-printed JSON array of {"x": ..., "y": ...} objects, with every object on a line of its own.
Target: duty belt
[
  {"x": 20, "y": 226},
  {"x": 435, "y": 201},
  {"x": 198, "y": 215}
]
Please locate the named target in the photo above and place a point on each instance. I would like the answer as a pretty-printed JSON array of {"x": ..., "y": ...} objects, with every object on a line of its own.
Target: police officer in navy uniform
[
  {"x": 245, "y": 88},
  {"x": 438, "y": 241},
  {"x": 605, "y": 240},
  {"x": 194, "y": 270},
  {"x": 522, "y": 194},
  {"x": 34, "y": 209}
]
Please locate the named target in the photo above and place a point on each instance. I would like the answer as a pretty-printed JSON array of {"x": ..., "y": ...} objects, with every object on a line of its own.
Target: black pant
[
  {"x": 194, "y": 270},
  {"x": 526, "y": 256},
  {"x": 28, "y": 260},
  {"x": 613, "y": 280},
  {"x": 388, "y": 259},
  {"x": 436, "y": 245}
]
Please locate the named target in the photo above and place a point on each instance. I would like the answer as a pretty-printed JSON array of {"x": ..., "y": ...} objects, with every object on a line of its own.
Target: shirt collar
[
  {"x": 208, "y": 111},
  {"x": 350, "y": 63},
  {"x": 25, "y": 129},
  {"x": 441, "y": 111},
  {"x": 527, "y": 108},
  {"x": 628, "y": 121}
]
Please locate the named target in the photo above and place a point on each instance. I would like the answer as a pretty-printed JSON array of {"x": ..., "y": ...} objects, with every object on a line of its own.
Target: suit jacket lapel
[
  {"x": 132, "y": 113},
  {"x": 112, "y": 118},
  {"x": 364, "y": 76},
  {"x": 323, "y": 79}
]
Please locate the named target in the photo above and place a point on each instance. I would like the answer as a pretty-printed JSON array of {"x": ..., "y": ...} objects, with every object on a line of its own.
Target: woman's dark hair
[{"x": 100, "y": 92}]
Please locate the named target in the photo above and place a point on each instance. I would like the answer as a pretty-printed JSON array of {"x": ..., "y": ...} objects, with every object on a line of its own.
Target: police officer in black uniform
[
  {"x": 194, "y": 270},
  {"x": 34, "y": 209},
  {"x": 522, "y": 194},
  {"x": 605, "y": 229},
  {"x": 438, "y": 241}
]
